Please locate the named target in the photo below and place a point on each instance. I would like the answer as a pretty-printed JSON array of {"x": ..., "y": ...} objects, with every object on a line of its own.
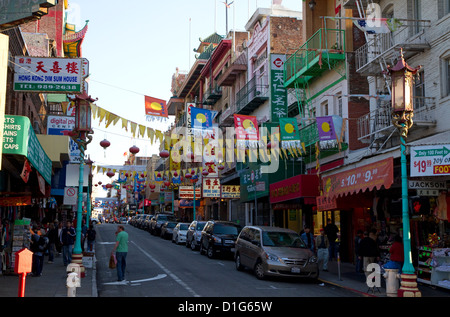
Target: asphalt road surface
[{"x": 160, "y": 268}]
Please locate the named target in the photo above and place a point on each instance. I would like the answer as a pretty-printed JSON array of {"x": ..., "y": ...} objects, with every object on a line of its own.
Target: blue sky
[{"x": 134, "y": 48}]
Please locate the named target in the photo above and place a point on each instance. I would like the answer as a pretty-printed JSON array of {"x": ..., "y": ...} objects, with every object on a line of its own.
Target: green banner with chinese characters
[
  {"x": 253, "y": 182},
  {"x": 278, "y": 93},
  {"x": 19, "y": 139}
]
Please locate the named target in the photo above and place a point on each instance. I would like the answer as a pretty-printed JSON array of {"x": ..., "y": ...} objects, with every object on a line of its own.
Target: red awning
[
  {"x": 374, "y": 175},
  {"x": 295, "y": 187}
]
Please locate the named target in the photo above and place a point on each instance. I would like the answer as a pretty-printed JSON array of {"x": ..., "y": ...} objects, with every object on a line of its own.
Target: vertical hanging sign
[{"x": 278, "y": 93}]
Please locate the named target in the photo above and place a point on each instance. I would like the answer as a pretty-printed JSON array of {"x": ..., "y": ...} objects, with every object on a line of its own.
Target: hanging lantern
[
  {"x": 175, "y": 174},
  {"x": 110, "y": 174},
  {"x": 109, "y": 186},
  {"x": 205, "y": 173},
  {"x": 220, "y": 167},
  {"x": 158, "y": 175},
  {"x": 105, "y": 143},
  {"x": 99, "y": 182},
  {"x": 167, "y": 184},
  {"x": 96, "y": 185},
  {"x": 164, "y": 154},
  {"x": 152, "y": 186},
  {"x": 188, "y": 175},
  {"x": 134, "y": 149}
]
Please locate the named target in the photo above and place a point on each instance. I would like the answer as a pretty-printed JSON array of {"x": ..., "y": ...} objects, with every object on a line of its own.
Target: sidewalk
[
  {"x": 52, "y": 283},
  {"x": 356, "y": 282}
]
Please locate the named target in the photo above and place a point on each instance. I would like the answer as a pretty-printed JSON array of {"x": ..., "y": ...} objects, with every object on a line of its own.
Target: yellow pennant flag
[
  {"x": 110, "y": 119},
  {"x": 133, "y": 126},
  {"x": 151, "y": 134},
  {"x": 94, "y": 110},
  {"x": 142, "y": 130},
  {"x": 159, "y": 135},
  {"x": 125, "y": 124},
  {"x": 102, "y": 114}
]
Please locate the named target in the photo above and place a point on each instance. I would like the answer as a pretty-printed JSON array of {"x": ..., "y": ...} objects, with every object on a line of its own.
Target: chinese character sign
[
  {"x": 211, "y": 187},
  {"x": 278, "y": 93},
  {"x": 50, "y": 75}
]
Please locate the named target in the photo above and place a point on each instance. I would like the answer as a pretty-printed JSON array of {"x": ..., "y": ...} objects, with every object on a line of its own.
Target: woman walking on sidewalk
[{"x": 121, "y": 249}]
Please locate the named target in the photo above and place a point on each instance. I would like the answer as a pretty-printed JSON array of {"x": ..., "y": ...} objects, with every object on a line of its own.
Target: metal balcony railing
[
  {"x": 212, "y": 94},
  {"x": 319, "y": 53},
  {"x": 253, "y": 94},
  {"x": 408, "y": 34},
  {"x": 379, "y": 121}
]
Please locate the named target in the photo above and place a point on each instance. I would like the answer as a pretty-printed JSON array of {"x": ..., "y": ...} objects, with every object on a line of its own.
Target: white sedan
[{"x": 179, "y": 233}]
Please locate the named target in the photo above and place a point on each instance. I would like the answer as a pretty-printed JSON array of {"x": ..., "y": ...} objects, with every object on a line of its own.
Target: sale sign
[
  {"x": 377, "y": 174},
  {"x": 430, "y": 160}
]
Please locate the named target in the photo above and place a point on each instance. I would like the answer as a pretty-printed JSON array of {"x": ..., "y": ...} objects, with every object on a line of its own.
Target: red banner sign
[
  {"x": 294, "y": 187},
  {"x": 361, "y": 178}
]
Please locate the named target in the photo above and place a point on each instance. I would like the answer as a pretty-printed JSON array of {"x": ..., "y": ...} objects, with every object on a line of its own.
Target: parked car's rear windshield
[{"x": 226, "y": 229}]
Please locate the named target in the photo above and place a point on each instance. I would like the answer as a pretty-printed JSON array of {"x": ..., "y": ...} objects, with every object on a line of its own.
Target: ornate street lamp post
[
  {"x": 81, "y": 135},
  {"x": 402, "y": 113}
]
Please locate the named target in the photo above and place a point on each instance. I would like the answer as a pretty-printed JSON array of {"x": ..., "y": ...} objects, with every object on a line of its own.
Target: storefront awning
[
  {"x": 299, "y": 186},
  {"x": 56, "y": 147},
  {"x": 360, "y": 178},
  {"x": 19, "y": 139}
]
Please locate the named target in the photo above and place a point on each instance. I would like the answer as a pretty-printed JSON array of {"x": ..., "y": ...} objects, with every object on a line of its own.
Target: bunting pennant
[
  {"x": 247, "y": 133},
  {"x": 289, "y": 133},
  {"x": 328, "y": 127},
  {"x": 201, "y": 119},
  {"x": 155, "y": 109}
]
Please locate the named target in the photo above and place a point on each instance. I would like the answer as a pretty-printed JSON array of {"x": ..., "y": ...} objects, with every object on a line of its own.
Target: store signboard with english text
[{"x": 430, "y": 160}]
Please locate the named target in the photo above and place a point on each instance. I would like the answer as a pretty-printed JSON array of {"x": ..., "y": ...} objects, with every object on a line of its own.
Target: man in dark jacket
[
  {"x": 68, "y": 235},
  {"x": 368, "y": 251}
]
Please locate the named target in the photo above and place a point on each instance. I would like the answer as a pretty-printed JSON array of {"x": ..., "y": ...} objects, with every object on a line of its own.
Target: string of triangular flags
[{"x": 135, "y": 128}]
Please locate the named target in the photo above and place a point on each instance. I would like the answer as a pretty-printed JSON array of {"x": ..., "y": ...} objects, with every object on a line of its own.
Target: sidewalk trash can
[{"x": 392, "y": 282}]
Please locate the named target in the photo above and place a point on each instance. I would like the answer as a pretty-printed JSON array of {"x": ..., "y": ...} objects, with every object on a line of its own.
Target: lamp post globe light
[
  {"x": 81, "y": 134},
  {"x": 402, "y": 78}
]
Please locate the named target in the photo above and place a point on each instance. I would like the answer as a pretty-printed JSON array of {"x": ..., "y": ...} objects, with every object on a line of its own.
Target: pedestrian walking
[
  {"x": 84, "y": 229},
  {"x": 91, "y": 234},
  {"x": 308, "y": 238},
  {"x": 358, "y": 262},
  {"x": 368, "y": 252},
  {"x": 52, "y": 235},
  {"x": 68, "y": 235},
  {"x": 322, "y": 244},
  {"x": 331, "y": 230},
  {"x": 39, "y": 243},
  {"x": 58, "y": 244},
  {"x": 121, "y": 250}
]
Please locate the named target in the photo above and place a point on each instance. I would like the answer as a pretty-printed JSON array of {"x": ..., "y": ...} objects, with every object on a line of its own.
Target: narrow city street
[{"x": 160, "y": 268}]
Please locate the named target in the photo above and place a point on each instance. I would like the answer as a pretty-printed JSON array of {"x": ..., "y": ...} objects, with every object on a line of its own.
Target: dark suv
[
  {"x": 194, "y": 234},
  {"x": 219, "y": 237},
  {"x": 158, "y": 220}
]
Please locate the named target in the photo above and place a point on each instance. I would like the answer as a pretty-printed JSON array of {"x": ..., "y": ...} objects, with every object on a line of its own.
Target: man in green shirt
[{"x": 121, "y": 249}]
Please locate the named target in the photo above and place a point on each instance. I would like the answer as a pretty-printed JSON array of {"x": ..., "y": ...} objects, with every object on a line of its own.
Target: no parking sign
[{"x": 70, "y": 196}]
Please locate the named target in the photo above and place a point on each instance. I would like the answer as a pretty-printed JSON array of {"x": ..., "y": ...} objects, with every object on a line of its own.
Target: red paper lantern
[
  {"x": 152, "y": 186},
  {"x": 164, "y": 154},
  {"x": 167, "y": 184},
  {"x": 110, "y": 174},
  {"x": 134, "y": 149},
  {"x": 105, "y": 143},
  {"x": 205, "y": 173},
  {"x": 99, "y": 183},
  {"x": 188, "y": 175},
  {"x": 175, "y": 174},
  {"x": 109, "y": 186}
]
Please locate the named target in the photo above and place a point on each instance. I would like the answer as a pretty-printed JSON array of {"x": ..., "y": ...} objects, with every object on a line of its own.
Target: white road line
[{"x": 168, "y": 272}]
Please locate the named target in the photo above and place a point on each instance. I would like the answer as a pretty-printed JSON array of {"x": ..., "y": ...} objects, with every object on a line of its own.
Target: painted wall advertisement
[
  {"x": 430, "y": 160},
  {"x": 62, "y": 125}
]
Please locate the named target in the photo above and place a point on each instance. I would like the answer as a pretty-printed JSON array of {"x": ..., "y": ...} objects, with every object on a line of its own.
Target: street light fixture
[
  {"x": 81, "y": 135},
  {"x": 402, "y": 78}
]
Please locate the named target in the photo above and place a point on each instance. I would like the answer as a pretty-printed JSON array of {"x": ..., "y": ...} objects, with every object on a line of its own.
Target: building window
[
  {"x": 419, "y": 90},
  {"x": 446, "y": 76},
  {"x": 324, "y": 108}
]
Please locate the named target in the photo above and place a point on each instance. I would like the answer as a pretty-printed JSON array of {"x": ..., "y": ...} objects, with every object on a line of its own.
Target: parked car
[
  {"x": 137, "y": 220},
  {"x": 179, "y": 232},
  {"x": 271, "y": 251},
  {"x": 219, "y": 237},
  {"x": 146, "y": 222},
  {"x": 194, "y": 234},
  {"x": 167, "y": 229},
  {"x": 123, "y": 220},
  {"x": 158, "y": 220},
  {"x": 142, "y": 220}
]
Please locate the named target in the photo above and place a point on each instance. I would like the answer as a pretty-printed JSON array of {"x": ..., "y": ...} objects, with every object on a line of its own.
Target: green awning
[{"x": 19, "y": 139}]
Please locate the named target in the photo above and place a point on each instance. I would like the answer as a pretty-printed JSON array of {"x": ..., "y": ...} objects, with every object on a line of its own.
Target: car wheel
[
  {"x": 259, "y": 270},
  {"x": 210, "y": 252},
  {"x": 187, "y": 243},
  {"x": 193, "y": 246},
  {"x": 237, "y": 261}
]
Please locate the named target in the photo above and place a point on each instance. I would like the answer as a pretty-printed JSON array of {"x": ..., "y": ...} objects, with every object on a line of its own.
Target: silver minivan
[{"x": 272, "y": 251}]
